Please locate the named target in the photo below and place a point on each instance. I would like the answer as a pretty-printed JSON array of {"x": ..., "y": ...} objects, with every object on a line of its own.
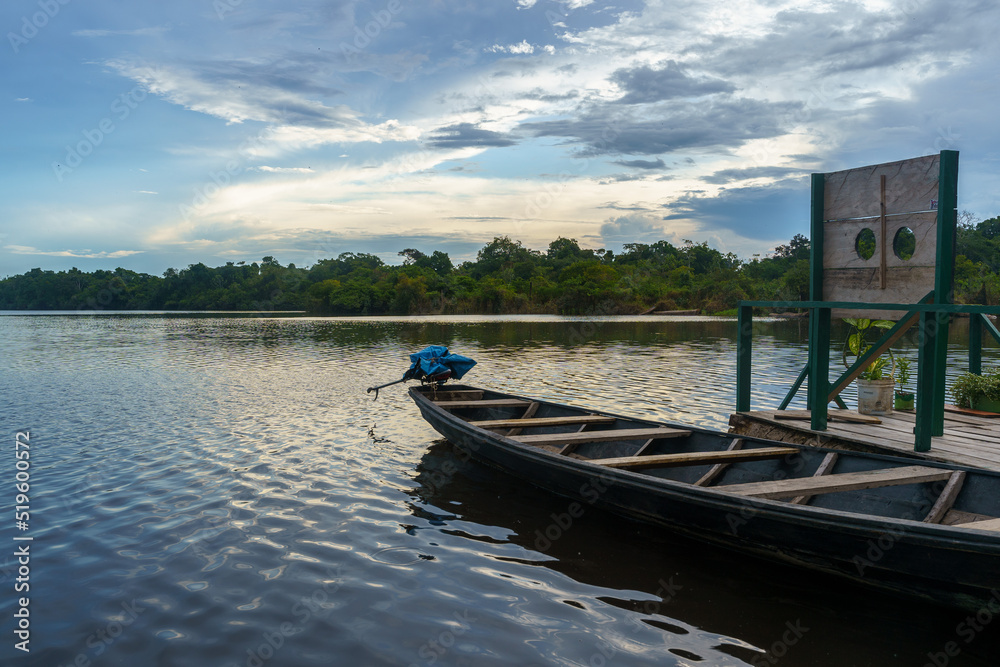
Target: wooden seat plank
[
  {"x": 528, "y": 413},
  {"x": 695, "y": 458},
  {"x": 989, "y": 524},
  {"x": 719, "y": 468},
  {"x": 947, "y": 498},
  {"x": 600, "y": 436},
  {"x": 851, "y": 481},
  {"x": 489, "y": 403},
  {"x": 544, "y": 421},
  {"x": 570, "y": 447},
  {"x": 825, "y": 466}
]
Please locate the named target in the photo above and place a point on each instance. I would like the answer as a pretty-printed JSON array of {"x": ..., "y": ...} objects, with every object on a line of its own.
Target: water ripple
[{"x": 221, "y": 491}]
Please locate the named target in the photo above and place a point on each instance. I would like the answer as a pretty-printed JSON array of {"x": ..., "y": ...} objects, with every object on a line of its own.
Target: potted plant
[
  {"x": 875, "y": 388},
  {"x": 904, "y": 397},
  {"x": 875, "y": 384},
  {"x": 979, "y": 392}
]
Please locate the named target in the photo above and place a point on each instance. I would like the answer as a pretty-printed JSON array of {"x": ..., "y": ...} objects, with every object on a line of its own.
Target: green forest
[{"x": 505, "y": 277}]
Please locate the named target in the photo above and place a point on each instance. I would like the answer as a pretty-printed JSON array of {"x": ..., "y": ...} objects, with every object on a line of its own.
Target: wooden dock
[{"x": 968, "y": 440}]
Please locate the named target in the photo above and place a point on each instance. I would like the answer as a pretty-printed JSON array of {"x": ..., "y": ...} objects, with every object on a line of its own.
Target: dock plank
[
  {"x": 969, "y": 411},
  {"x": 967, "y": 440},
  {"x": 852, "y": 481},
  {"x": 832, "y": 415}
]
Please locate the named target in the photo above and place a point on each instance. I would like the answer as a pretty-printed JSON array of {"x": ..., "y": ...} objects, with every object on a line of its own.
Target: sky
[{"x": 157, "y": 135}]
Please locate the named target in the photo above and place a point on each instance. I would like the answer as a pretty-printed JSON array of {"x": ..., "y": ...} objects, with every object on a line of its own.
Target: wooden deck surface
[{"x": 967, "y": 440}]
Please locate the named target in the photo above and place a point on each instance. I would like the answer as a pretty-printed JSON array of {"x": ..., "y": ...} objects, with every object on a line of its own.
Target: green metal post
[
  {"x": 744, "y": 356},
  {"x": 816, "y": 238},
  {"x": 944, "y": 279},
  {"x": 819, "y": 318},
  {"x": 925, "y": 383},
  {"x": 976, "y": 343},
  {"x": 795, "y": 387},
  {"x": 819, "y": 366}
]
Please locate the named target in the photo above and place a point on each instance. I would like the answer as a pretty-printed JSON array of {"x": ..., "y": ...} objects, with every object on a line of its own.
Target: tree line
[{"x": 505, "y": 277}]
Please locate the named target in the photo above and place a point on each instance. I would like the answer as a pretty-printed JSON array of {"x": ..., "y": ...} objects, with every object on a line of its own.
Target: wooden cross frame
[
  {"x": 920, "y": 195},
  {"x": 887, "y": 202}
]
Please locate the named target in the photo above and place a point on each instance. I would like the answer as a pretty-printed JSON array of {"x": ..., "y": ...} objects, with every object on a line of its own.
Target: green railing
[{"x": 931, "y": 362}]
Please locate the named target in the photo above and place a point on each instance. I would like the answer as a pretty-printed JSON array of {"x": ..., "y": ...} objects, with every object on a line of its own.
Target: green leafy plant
[
  {"x": 969, "y": 387},
  {"x": 875, "y": 370},
  {"x": 902, "y": 375},
  {"x": 857, "y": 344}
]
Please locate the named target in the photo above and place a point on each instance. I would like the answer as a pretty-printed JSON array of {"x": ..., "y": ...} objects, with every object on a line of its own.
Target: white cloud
[
  {"x": 522, "y": 48},
  {"x": 239, "y": 92},
  {"x": 285, "y": 138},
  {"x": 85, "y": 254},
  {"x": 283, "y": 170}
]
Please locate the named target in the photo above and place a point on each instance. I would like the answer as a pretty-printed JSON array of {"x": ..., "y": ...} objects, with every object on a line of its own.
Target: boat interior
[{"x": 889, "y": 487}]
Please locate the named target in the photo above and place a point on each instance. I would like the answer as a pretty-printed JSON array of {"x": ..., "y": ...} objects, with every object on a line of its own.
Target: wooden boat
[{"x": 918, "y": 528}]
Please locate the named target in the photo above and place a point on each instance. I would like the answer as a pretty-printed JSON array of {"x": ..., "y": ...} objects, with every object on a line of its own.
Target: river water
[{"x": 219, "y": 490}]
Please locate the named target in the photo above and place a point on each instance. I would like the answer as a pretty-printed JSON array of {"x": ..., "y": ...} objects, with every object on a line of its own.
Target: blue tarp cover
[{"x": 435, "y": 359}]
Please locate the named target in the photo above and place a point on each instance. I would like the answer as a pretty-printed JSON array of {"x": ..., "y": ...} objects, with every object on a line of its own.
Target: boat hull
[{"x": 942, "y": 564}]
